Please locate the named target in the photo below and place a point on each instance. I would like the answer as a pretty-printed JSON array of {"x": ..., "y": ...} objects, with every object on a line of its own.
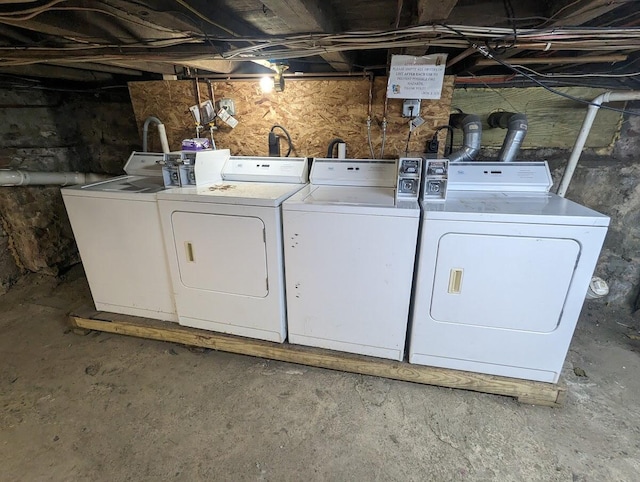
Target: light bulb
[{"x": 266, "y": 84}]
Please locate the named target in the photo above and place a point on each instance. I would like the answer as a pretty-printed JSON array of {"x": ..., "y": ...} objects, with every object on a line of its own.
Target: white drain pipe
[
  {"x": 16, "y": 177},
  {"x": 586, "y": 128},
  {"x": 162, "y": 132}
]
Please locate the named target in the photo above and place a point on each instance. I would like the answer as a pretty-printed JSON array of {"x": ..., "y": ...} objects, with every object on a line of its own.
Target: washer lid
[
  {"x": 359, "y": 196},
  {"x": 131, "y": 184},
  {"x": 144, "y": 164},
  {"x": 377, "y": 201},
  {"x": 132, "y": 188},
  {"x": 232, "y": 192},
  {"x": 513, "y": 207}
]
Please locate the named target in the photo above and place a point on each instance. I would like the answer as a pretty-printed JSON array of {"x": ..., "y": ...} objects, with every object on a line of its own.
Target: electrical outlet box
[
  {"x": 228, "y": 105},
  {"x": 411, "y": 108}
]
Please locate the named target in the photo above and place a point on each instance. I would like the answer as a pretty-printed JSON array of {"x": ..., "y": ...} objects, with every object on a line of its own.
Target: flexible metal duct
[
  {"x": 517, "y": 129},
  {"x": 472, "y": 134}
]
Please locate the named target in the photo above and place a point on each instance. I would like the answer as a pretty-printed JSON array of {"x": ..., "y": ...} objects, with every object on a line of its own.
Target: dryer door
[
  {"x": 221, "y": 253},
  {"x": 511, "y": 282}
]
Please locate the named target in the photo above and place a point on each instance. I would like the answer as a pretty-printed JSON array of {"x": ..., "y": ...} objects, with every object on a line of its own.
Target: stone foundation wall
[{"x": 42, "y": 130}]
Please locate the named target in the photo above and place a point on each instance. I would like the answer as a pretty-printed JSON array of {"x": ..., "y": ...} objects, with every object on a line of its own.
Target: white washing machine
[
  {"x": 118, "y": 233},
  {"x": 503, "y": 269},
  {"x": 224, "y": 247},
  {"x": 350, "y": 243}
]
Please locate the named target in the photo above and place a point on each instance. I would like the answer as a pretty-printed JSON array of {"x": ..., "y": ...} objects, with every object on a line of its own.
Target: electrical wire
[
  {"x": 286, "y": 133},
  {"x": 560, "y": 93},
  {"x": 332, "y": 146},
  {"x": 551, "y": 76},
  {"x": 406, "y": 147},
  {"x": 486, "y": 53},
  {"x": 39, "y": 8},
  {"x": 448, "y": 138},
  {"x": 205, "y": 18},
  {"x": 123, "y": 17}
]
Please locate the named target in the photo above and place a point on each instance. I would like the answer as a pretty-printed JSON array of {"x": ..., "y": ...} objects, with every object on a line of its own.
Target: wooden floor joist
[{"x": 536, "y": 393}]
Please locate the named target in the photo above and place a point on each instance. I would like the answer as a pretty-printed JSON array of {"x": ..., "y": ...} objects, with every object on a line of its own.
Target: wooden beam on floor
[{"x": 536, "y": 393}]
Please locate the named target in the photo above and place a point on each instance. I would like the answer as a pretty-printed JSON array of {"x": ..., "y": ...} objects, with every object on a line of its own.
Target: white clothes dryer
[
  {"x": 224, "y": 247},
  {"x": 503, "y": 269}
]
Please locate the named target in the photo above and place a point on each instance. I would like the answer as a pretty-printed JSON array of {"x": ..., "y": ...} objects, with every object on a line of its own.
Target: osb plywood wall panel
[
  {"x": 313, "y": 111},
  {"x": 553, "y": 120}
]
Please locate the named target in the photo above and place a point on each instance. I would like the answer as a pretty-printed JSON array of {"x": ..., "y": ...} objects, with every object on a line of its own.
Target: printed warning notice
[{"x": 416, "y": 77}]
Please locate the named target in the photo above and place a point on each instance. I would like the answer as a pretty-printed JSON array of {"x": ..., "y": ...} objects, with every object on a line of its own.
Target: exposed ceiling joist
[
  {"x": 221, "y": 66},
  {"x": 99, "y": 67},
  {"x": 221, "y": 36},
  {"x": 311, "y": 16},
  {"x": 585, "y": 59},
  {"x": 214, "y": 17},
  {"x": 56, "y": 72},
  {"x": 14, "y": 34},
  {"x": 167, "y": 68},
  {"x": 177, "y": 53},
  {"x": 433, "y": 10},
  {"x": 576, "y": 13}
]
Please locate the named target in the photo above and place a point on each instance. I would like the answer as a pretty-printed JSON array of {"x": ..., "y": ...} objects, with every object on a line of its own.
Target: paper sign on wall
[{"x": 416, "y": 77}]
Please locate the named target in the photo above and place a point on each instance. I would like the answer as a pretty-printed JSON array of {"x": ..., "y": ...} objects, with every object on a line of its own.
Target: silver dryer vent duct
[
  {"x": 517, "y": 130},
  {"x": 472, "y": 134}
]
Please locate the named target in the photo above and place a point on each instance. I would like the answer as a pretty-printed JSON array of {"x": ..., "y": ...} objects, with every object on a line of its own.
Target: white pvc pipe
[
  {"x": 162, "y": 132},
  {"x": 16, "y": 177},
  {"x": 586, "y": 128}
]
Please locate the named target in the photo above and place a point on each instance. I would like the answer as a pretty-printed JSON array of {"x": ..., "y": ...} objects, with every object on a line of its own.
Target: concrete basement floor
[{"x": 114, "y": 408}]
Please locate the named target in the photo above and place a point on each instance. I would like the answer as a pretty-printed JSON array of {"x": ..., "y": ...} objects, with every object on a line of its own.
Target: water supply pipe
[
  {"x": 162, "y": 132},
  {"x": 16, "y": 177},
  {"x": 592, "y": 110},
  {"x": 472, "y": 134},
  {"x": 517, "y": 129}
]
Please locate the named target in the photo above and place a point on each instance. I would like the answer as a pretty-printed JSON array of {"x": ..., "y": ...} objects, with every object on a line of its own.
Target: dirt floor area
[{"x": 114, "y": 408}]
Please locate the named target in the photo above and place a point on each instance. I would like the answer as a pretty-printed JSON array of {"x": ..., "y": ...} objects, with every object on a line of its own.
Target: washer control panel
[
  {"x": 435, "y": 181},
  {"x": 409, "y": 175}
]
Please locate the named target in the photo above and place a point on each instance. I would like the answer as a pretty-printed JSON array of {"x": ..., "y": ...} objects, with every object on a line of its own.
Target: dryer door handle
[
  {"x": 455, "y": 281},
  {"x": 189, "y": 249}
]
